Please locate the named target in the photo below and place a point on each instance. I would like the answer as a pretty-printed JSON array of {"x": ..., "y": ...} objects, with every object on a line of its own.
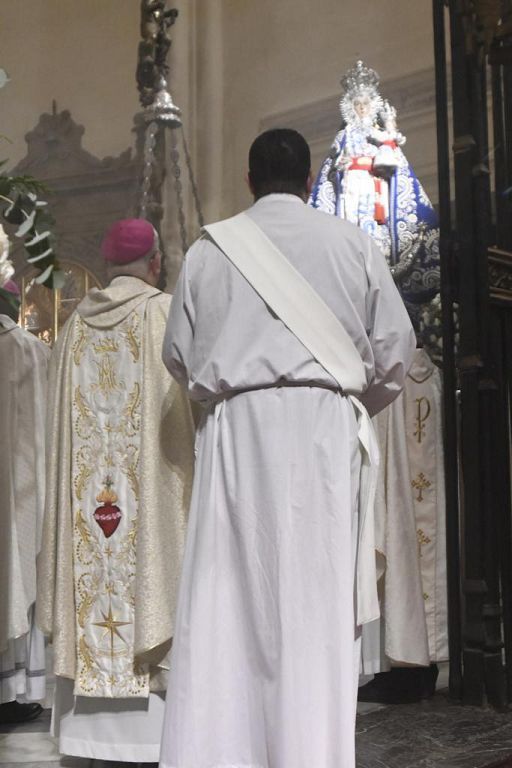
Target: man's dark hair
[{"x": 279, "y": 161}]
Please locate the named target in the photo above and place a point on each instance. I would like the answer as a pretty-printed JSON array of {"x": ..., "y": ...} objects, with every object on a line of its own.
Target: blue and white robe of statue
[{"x": 346, "y": 187}]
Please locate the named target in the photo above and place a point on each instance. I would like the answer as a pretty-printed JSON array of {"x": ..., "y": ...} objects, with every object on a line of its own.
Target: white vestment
[
  {"x": 424, "y": 429},
  {"x": 120, "y": 471},
  {"x": 23, "y": 370},
  {"x": 410, "y": 525},
  {"x": 265, "y": 654}
]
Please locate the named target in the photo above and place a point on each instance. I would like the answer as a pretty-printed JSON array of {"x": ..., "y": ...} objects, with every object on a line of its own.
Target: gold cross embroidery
[
  {"x": 422, "y": 539},
  {"x": 421, "y": 484}
]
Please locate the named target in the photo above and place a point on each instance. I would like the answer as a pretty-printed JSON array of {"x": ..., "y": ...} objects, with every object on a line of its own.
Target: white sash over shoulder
[{"x": 287, "y": 293}]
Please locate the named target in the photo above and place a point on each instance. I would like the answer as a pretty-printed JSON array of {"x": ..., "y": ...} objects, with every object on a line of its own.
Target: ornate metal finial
[
  {"x": 152, "y": 67},
  {"x": 163, "y": 109},
  {"x": 159, "y": 114}
]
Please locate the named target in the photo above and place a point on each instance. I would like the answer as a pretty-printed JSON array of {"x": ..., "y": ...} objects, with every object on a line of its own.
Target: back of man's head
[
  {"x": 131, "y": 247},
  {"x": 279, "y": 161}
]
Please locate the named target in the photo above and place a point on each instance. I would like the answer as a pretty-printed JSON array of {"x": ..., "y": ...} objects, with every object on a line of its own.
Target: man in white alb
[
  {"x": 286, "y": 324},
  {"x": 23, "y": 368}
]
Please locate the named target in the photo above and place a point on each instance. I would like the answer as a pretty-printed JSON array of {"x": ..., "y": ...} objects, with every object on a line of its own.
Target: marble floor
[{"x": 437, "y": 733}]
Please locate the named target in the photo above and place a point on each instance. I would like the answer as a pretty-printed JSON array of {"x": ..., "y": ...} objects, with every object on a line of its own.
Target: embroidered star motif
[{"x": 110, "y": 625}]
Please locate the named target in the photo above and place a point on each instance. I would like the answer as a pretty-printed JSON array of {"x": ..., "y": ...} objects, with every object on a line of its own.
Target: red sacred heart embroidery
[{"x": 108, "y": 518}]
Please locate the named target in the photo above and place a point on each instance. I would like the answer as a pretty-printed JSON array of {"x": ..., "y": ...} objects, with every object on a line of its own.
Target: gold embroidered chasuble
[
  {"x": 120, "y": 467},
  {"x": 106, "y": 386}
]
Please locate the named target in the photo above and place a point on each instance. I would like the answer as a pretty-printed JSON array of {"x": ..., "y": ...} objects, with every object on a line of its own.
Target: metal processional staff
[{"x": 162, "y": 119}]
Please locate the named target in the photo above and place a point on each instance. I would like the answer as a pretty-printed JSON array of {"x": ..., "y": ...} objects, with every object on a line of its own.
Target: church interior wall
[
  {"x": 83, "y": 55},
  {"x": 237, "y": 67},
  {"x": 283, "y": 62}
]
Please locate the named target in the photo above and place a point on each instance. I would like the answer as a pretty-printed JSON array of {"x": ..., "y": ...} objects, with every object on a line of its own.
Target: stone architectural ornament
[{"x": 86, "y": 194}]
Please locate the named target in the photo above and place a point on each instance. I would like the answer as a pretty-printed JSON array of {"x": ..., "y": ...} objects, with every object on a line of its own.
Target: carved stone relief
[{"x": 85, "y": 193}]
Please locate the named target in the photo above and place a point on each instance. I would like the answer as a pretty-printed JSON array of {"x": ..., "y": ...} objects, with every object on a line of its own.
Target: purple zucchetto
[{"x": 128, "y": 240}]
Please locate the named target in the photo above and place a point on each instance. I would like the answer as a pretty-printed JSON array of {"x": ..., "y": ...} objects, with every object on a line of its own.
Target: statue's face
[{"x": 362, "y": 106}]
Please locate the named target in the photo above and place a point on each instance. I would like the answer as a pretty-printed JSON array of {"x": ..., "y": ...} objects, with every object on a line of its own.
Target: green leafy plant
[{"x": 22, "y": 206}]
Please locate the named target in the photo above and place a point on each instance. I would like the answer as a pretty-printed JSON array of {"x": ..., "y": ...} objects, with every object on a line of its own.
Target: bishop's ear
[{"x": 155, "y": 265}]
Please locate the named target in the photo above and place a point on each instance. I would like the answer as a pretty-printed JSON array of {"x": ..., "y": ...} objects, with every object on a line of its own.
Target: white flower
[
  {"x": 4, "y": 244},
  {"x": 4, "y": 78},
  {"x": 6, "y": 267}
]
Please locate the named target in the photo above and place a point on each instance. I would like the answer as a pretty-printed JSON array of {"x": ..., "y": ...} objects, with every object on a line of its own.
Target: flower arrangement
[
  {"x": 6, "y": 272},
  {"x": 6, "y": 266}
]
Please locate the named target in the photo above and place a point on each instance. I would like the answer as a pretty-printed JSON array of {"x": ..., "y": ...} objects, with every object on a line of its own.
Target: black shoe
[
  {"x": 381, "y": 690},
  {"x": 14, "y": 713},
  {"x": 429, "y": 680},
  {"x": 401, "y": 685}
]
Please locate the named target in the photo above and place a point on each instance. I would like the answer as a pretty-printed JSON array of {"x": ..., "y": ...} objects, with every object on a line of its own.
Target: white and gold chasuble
[
  {"x": 107, "y": 376},
  {"x": 423, "y": 418},
  {"x": 119, "y": 472}
]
